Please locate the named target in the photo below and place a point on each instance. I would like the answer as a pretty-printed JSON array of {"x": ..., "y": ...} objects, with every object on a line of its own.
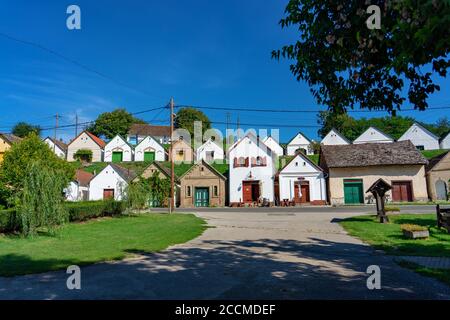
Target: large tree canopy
[
  {"x": 22, "y": 129},
  {"x": 351, "y": 128},
  {"x": 186, "y": 117},
  {"x": 110, "y": 124},
  {"x": 15, "y": 167},
  {"x": 346, "y": 64}
]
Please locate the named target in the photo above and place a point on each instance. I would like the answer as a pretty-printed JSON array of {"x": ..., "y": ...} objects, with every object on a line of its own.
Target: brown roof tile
[{"x": 143, "y": 129}]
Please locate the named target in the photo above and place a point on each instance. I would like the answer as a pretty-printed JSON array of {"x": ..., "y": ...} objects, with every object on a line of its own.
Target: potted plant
[{"x": 412, "y": 231}]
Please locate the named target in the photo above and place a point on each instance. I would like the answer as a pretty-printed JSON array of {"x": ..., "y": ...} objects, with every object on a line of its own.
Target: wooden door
[
  {"x": 246, "y": 192},
  {"x": 108, "y": 194},
  {"x": 117, "y": 156},
  {"x": 201, "y": 197},
  {"x": 149, "y": 156},
  {"x": 353, "y": 192},
  {"x": 305, "y": 192},
  {"x": 297, "y": 198},
  {"x": 402, "y": 191}
]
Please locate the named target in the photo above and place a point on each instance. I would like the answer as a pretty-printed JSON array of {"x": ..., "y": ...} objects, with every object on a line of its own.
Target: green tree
[
  {"x": 110, "y": 124},
  {"x": 22, "y": 129},
  {"x": 185, "y": 119},
  {"x": 440, "y": 128},
  {"x": 159, "y": 188},
  {"x": 346, "y": 64},
  {"x": 14, "y": 169},
  {"x": 83, "y": 155},
  {"x": 41, "y": 202},
  {"x": 137, "y": 195}
]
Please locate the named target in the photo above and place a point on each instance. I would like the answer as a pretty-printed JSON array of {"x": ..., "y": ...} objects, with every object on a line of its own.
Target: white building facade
[
  {"x": 334, "y": 138},
  {"x": 210, "y": 151},
  {"x": 445, "y": 142},
  {"x": 373, "y": 135},
  {"x": 118, "y": 150},
  {"x": 422, "y": 138},
  {"x": 303, "y": 182},
  {"x": 274, "y": 146},
  {"x": 58, "y": 148},
  {"x": 110, "y": 183},
  {"x": 149, "y": 149},
  {"x": 251, "y": 172},
  {"x": 299, "y": 142}
]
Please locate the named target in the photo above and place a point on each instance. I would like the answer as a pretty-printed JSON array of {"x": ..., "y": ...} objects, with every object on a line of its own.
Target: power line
[{"x": 76, "y": 63}]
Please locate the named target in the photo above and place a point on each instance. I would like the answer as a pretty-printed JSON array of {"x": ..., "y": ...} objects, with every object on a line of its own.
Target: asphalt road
[{"x": 268, "y": 254}]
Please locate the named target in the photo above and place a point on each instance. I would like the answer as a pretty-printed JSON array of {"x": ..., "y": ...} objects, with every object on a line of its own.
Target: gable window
[
  {"x": 259, "y": 162},
  {"x": 240, "y": 162}
]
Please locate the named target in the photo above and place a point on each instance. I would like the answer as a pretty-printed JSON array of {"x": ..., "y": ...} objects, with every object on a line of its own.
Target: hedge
[{"x": 78, "y": 211}]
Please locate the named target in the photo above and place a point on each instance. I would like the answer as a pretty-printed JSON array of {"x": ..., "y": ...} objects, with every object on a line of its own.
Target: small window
[
  {"x": 181, "y": 138},
  {"x": 202, "y": 169},
  {"x": 296, "y": 164},
  {"x": 421, "y": 148},
  {"x": 181, "y": 152},
  {"x": 188, "y": 191},
  {"x": 216, "y": 191}
]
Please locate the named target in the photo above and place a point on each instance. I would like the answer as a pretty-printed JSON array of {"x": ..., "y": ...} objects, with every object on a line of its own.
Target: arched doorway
[{"x": 441, "y": 190}]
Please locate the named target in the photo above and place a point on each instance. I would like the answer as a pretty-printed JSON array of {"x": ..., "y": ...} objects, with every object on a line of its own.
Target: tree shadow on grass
[{"x": 234, "y": 269}]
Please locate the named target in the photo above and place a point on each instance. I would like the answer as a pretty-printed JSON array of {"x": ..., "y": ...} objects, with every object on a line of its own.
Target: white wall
[
  {"x": 420, "y": 137},
  {"x": 60, "y": 153},
  {"x": 274, "y": 146},
  {"x": 207, "y": 147},
  {"x": 248, "y": 148},
  {"x": 299, "y": 141},
  {"x": 118, "y": 144},
  {"x": 333, "y": 139},
  {"x": 445, "y": 143},
  {"x": 300, "y": 167},
  {"x": 149, "y": 144},
  {"x": 84, "y": 141},
  {"x": 373, "y": 135},
  {"x": 108, "y": 178},
  {"x": 72, "y": 191}
]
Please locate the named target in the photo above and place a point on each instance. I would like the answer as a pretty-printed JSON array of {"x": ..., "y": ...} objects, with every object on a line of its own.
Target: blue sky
[{"x": 206, "y": 53}]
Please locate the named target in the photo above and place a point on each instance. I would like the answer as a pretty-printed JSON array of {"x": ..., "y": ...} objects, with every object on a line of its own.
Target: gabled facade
[
  {"x": 422, "y": 138},
  {"x": 251, "y": 172},
  {"x": 149, "y": 149},
  {"x": 299, "y": 143},
  {"x": 274, "y": 146},
  {"x": 373, "y": 135},
  {"x": 210, "y": 151},
  {"x": 58, "y": 147},
  {"x": 111, "y": 182},
  {"x": 86, "y": 141},
  {"x": 334, "y": 138},
  {"x": 182, "y": 152},
  {"x": 118, "y": 150},
  {"x": 445, "y": 142},
  {"x": 302, "y": 182},
  {"x": 202, "y": 186},
  {"x": 438, "y": 177},
  {"x": 78, "y": 189},
  {"x": 139, "y": 131},
  {"x": 6, "y": 141},
  {"x": 353, "y": 168}
]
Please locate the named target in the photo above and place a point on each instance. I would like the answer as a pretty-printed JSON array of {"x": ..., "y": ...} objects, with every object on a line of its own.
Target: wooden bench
[{"x": 443, "y": 218}]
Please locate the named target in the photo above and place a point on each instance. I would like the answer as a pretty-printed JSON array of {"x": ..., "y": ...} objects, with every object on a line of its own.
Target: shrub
[
  {"x": 413, "y": 227},
  {"x": 392, "y": 209},
  {"x": 85, "y": 210},
  {"x": 83, "y": 155},
  {"x": 9, "y": 220},
  {"x": 137, "y": 196}
]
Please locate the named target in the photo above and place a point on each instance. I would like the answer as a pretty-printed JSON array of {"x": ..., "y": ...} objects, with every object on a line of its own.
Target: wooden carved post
[{"x": 378, "y": 190}]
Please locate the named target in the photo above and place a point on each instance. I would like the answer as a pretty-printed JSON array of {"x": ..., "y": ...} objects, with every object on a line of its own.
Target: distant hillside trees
[
  {"x": 22, "y": 129},
  {"x": 110, "y": 124}
]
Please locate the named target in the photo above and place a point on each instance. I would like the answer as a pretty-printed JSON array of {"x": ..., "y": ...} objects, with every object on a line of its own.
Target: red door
[
  {"x": 247, "y": 192},
  {"x": 108, "y": 193},
  {"x": 305, "y": 192},
  {"x": 401, "y": 191}
]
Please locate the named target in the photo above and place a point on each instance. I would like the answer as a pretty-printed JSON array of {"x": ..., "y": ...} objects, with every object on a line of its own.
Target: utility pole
[
  {"x": 172, "y": 166},
  {"x": 56, "y": 128},
  {"x": 76, "y": 125}
]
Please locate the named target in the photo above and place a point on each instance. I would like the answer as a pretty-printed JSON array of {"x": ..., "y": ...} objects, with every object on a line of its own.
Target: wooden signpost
[{"x": 378, "y": 190}]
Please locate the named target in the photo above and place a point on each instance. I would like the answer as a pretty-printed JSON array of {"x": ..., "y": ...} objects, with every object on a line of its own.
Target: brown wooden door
[
  {"x": 305, "y": 192},
  {"x": 401, "y": 191},
  {"x": 108, "y": 194},
  {"x": 247, "y": 192},
  {"x": 297, "y": 198}
]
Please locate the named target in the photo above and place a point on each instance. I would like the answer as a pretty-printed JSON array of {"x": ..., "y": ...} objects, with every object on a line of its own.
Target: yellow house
[{"x": 6, "y": 141}]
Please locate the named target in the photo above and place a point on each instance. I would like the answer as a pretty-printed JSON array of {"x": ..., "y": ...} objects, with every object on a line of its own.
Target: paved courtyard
[{"x": 267, "y": 254}]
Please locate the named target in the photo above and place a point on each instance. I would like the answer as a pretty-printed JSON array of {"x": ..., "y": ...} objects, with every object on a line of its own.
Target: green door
[
  {"x": 201, "y": 197},
  {"x": 117, "y": 156},
  {"x": 149, "y": 156},
  {"x": 353, "y": 192}
]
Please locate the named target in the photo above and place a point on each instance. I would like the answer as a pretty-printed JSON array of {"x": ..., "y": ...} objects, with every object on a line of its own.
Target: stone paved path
[
  {"x": 429, "y": 262},
  {"x": 245, "y": 256}
]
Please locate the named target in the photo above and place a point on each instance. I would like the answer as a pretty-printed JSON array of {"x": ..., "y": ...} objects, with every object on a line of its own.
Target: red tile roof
[
  {"x": 83, "y": 177},
  {"x": 97, "y": 140}
]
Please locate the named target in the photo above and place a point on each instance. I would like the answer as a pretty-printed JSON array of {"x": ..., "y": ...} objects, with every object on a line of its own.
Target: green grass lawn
[
  {"x": 389, "y": 237},
  {"x": 96, "y": 167},
  {"x": 440, "y": 274},
  {"x": 432, "y": 153},
  {"x": 96, "y": 240}
]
